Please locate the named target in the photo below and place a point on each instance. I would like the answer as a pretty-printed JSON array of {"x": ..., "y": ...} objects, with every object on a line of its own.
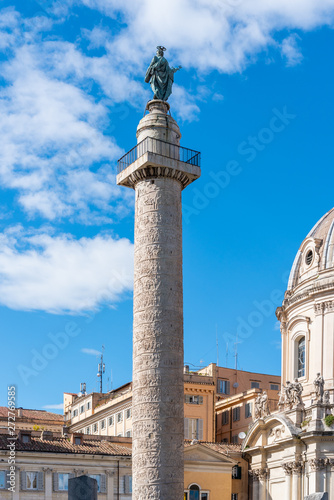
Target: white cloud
[
  {"x": 61, "y": 274},
  {"x": 59, "y": 406},
  {"x": 93, "y": 352},
  {"x": 55, "y": 153},
  {"x": 52, "y": 134},
  {"x": 208, "y": 34},
  {"x": 291, "y": 50}
]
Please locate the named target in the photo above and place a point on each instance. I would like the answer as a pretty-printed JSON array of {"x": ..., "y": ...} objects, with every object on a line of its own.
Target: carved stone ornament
[
  {"x": 258, "y": 474},
  {"x": 297, "y": 467},
  {"x": 287, "y": 467},
  {"x": 110, "y": 472},
  {"x": 261, "y": 406},
  {"x": 330, "y": 462},
  {"x": 317, "y": 464},
  {"x": 47, "y": 469}
]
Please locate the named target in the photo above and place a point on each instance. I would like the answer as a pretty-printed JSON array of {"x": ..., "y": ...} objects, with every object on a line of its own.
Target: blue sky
[{"x": 254, "y": 96}]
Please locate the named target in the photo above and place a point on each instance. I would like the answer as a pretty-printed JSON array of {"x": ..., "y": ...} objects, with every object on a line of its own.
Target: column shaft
[{"x": 158, "y": 423}]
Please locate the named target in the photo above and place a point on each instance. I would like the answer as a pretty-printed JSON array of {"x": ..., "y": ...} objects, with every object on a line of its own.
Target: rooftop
[{"x": 32, "y": 415}]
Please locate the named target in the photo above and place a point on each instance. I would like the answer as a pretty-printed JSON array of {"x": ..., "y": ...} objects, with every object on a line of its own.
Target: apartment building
[
  {"x": 110, "y": 414},
  {"x": 235, "y": 394}
]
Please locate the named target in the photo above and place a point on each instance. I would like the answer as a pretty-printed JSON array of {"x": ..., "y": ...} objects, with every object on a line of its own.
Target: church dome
[{"x": 316, "y": 253}]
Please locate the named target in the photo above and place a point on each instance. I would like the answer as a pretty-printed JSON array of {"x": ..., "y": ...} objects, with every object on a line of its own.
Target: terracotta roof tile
[
  {"x": 62, "y": 445},
  {"x": 33, "y": 414}
]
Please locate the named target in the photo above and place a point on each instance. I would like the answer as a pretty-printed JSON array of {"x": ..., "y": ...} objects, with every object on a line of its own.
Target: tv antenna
[{"x": 101, "y": 369}]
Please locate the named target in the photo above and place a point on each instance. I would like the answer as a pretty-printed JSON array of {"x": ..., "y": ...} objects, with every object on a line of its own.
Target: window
[
  {"x": 120, "y": 417},
  {"x": 223, "y": 386},
  {"x": 2, "y": 479},
  {"x": 274, "y": 387},
  {"x": 193, "y": 428},
  {"x": 236, "y": 413},
  {"x": 101, "y": 482},
  {"x": 234, "y": 496},
  {"x": 75, "y": 413},
  {"x": 235, "y": 439},
  {"x": 88, "y": 405},
  {"x": 195, "y": 493},
  {"x": 128, "y": 413},
  {"x": 103, "y": 424},
  {"x": 248, "y": 410},
  {"x": 82, "y": 408},
  {"x": 87, "y": 430},
  {"x": 128, "y": 434},
  {"x": 225, "y": 417},
  {"x": 236, "y": 472},
  {"x": 301, "y": 358},
  {"x": 32, "y": 481},
  {"x": 111, "y": 421},
  {"x": 95, "y": 428},
  {"x": 309, "y": 258},
  {"x": 195, "y": 400},
  {"x": 255, "y": 385},
  {"x": 62, "y": 482},
  {"x": 26, "y": 438}
]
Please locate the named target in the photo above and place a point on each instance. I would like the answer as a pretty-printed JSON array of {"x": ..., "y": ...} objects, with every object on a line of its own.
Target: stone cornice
[
  {"x": 293, "y": 298},
  {"x": 156, "y": 172}
]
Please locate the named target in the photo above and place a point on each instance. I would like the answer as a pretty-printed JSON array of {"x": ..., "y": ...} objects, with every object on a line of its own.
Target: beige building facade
[{"x": 45, "y": 463}]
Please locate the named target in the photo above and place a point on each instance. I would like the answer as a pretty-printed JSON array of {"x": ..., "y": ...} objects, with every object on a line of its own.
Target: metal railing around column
[{"x": 162, "y": 148}]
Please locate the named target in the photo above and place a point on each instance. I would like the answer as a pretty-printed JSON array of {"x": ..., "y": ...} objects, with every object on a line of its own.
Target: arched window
[
  {"x": 301, "y": 358},
  {"x": 194, "y": 492}
]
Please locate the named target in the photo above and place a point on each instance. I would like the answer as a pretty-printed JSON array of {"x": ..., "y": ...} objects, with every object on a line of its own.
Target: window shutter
[
  {"x": 238, "y": 413},
  {"x": 121, "y": 484},
  {"x": 187, "y": 398},
  {"x": 23, "y": 481},
  {"x": 200, "y": 400},
  {"x": 200, "y": 428},
  {"x": 55, "y": 481},
  {"x": 103, "y": 484},
  {"x": 227, "y": 387},
  {"x": 126, "y": 484},
  {"x": 40, "y": 486},
  {"x": 186, "y": 428}
]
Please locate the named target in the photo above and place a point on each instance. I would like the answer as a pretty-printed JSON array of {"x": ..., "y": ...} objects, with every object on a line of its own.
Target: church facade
[{"x": 291, "y": 450}]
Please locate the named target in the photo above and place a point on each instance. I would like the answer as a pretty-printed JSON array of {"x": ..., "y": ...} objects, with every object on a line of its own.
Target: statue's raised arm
[{"x": 160, "y": 75}]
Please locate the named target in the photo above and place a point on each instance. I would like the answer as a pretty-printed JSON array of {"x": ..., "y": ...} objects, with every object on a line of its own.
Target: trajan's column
[{"x": 158, "y": 169}]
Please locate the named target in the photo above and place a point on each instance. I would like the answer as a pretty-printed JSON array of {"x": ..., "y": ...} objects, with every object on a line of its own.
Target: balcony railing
[{"x": 162, "y": 148}]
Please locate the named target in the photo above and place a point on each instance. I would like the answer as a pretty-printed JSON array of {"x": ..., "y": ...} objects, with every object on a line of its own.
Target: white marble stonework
[{"x": 157, "y": 403}]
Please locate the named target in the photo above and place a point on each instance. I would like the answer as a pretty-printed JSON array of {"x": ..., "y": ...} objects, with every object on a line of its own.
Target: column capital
[
  {"x": 317, "y": 464},
  {"x": 287, "y": 467}
]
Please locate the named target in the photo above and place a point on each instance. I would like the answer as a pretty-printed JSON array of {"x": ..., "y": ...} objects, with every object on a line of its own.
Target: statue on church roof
[
  {"x": 319, "y": 387},
  {"x": 160, "y": 75}
]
